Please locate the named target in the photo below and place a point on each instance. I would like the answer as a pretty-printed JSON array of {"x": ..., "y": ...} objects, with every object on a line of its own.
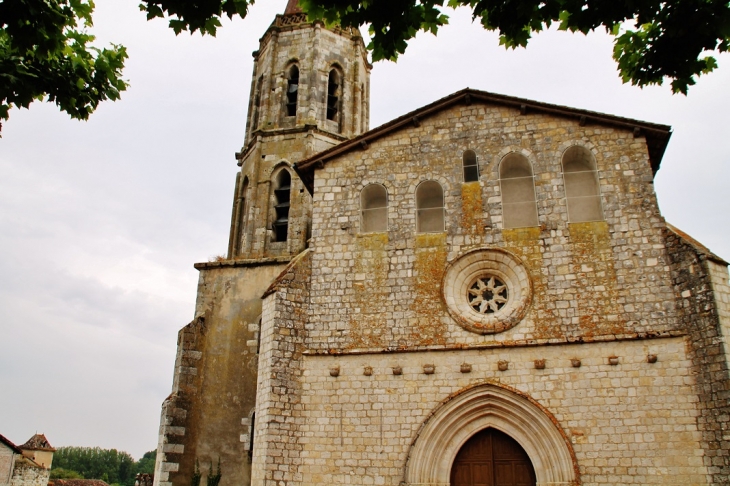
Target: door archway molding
[{"x": 475, "y": 408}]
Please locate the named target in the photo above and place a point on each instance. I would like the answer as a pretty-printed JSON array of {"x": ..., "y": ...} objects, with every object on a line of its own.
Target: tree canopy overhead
[
  {"x": 654, "y": 40},
  {"x": 46, "y": 51}
]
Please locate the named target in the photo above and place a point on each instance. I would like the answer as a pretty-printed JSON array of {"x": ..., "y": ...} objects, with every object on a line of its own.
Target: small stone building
[
  {"x": 480, "y": 292},
  {"x": 26, "y": 465}
]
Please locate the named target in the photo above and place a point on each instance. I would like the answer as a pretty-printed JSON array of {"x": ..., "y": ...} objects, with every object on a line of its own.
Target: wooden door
[{"x": 492, "y": 458}]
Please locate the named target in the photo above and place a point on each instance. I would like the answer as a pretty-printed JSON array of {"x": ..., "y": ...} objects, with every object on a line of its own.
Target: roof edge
[
  {"x": 699, "y": 247},
  {"x": 10, "y": 444},
  {"x": 659, "y": 134}
]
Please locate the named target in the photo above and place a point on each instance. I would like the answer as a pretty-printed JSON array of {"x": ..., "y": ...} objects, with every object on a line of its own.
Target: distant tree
[
  {"x": 146, "y": 464},
  {"x": 654, "y": 39},
  {"x": 109, "y": 465},
  {"x": 60, "y": 473}
]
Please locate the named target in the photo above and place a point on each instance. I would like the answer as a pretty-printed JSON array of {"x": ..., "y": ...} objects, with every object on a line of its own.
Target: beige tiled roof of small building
[
  {"x": 38, "y": 443},
  {"x": 77, "y": 482}
]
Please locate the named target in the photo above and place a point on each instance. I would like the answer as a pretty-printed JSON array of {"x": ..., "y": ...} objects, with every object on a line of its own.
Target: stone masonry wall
[
  {"x": 7, "y": 459},
  {"x": 278, "y": 406},
  {"x": 275, "y": 140},
  {"x": 26, "y": 473},
  {"x": 590, "y": 281},
  {"x": 269, "y": 155},
  {"x": 315, "y": 50},
  {"x": 208, "y": 415},
  {"x": 701, "y": 294},
  {"x": 630, "y": 423}
]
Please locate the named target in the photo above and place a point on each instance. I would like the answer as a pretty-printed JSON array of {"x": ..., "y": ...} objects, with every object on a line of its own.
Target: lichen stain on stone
[
  {"x": 598, "y": 310},
  {"x": 427, "y": 305},
  {"x": 472, "y": 215},
  {"x": 367, "y": 327},
  {"x": 526, "y": 244},
  {"x": 431, "y": 240}
]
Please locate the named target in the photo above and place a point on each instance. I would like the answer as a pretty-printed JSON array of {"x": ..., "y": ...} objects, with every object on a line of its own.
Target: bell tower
[{"x": 309, "y": 91}]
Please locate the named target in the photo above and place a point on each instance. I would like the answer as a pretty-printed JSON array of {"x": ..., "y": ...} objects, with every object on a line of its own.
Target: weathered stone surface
[{"x": 336, "y": 356}]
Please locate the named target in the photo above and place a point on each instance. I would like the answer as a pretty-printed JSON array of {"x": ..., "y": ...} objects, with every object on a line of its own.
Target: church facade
[{"x": 482, "y": 291}]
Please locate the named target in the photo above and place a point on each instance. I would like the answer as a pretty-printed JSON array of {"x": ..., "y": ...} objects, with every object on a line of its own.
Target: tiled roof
[
  {"x": 702, "y": 249},
  {"x": 38, "y": 443},
  {"x": 657, "y": 136},
  {"x": 7, "y": 442},
  {"x": 76, "y": 482}
]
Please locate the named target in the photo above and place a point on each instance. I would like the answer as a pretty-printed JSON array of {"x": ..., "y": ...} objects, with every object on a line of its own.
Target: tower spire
[{"x": 292, "y": 7}]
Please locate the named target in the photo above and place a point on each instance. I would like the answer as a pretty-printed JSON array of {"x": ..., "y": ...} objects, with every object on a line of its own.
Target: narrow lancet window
[
  {"x": 282, "y": 198},
  {"x": 517, "y": 185},
  {"x": 471, "y": 169},
  {"x": 582, "y": 190},
  {"x": 429, "y": 207},
  {"x": 242, "y": 216},
  {"x": 292, "y": 91},
  {"x": 333, "y": 96},
  {"x": 257, "y": 103},
  {"x": 374, "y": 207}
]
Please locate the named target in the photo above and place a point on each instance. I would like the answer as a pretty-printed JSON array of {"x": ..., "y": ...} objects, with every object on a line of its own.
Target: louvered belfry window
[
  {"x": 333, "y": 95},
  {"x": 292, "y": 91},
  {"x": 282, "y": 196}
]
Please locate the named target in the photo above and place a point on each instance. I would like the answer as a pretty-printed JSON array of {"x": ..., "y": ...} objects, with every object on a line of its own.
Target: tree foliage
[
  {"x": 146, "y": 464},
  {"x": 110, "y": 465},
  {"x": 46, "y": 51},
  {"x": 654, "y": 40},
  {"x": 61, "y": 473}
]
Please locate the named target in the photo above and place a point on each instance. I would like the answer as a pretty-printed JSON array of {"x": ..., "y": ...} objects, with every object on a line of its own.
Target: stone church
[{"x": 480, "y": 292}]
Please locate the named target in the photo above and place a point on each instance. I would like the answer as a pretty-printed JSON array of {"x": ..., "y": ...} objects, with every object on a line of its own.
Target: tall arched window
[
  {"x": 282, "y": 198},
  {"x": 374, "y": 208},
  {"x": 257, "y": 103},
  {"x": 517, "y": 184},
  {"x": 242, "y": 215},
  {"x": 471, "y": 169},
  {"x": 333, "y": 95},
  {"x": 429, "y": 207},
  {"x": 292, "y": 91},
  {"x": 582, "y": 190}
]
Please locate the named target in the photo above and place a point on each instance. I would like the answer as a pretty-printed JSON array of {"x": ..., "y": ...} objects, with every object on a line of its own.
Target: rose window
[
  {"x": 487, "y": 294},
  {"x": 487, "y": 290}
]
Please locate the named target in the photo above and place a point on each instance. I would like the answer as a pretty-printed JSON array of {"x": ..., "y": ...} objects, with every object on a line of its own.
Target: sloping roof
[
  {"x": 657, "y": 136},
  {"x": 292, "y": 7},
  {"x": 76, "y": 482},
  {"x": 7, "y": 442},
  {"x": 702, "y": 249},
  {"x": 38, "y": 443}
]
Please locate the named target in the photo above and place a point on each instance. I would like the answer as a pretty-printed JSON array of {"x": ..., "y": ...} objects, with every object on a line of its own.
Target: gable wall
[{"x": 589, "y": 280}]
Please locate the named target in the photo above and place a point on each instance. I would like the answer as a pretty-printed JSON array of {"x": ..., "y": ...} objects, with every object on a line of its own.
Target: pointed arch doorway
[
  {"x": 465, "y": 414},
  {"x": 492, "y": 458}
]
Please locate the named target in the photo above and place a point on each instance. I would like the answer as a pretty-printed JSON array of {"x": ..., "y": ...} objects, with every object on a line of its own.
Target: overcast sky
[{"x": 101, "y": 221}]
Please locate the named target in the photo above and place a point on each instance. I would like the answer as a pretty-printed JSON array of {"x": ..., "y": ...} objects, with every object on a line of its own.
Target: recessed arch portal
[
  {"x": 480, "y": 407},
  {"x": 492, "y": 458}
]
